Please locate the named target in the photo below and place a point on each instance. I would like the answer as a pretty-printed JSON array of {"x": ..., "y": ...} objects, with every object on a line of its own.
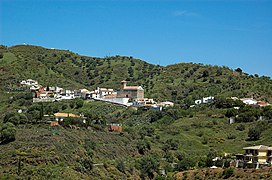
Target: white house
[
  {"x": 205, "y": 100},
  {"x": 101, "y": 93},
  {"x": 166, "y": 104},
  {"x": 142, "y": 101},
  {"x": 34, "y": 87},
  {"x": 94, "y": 94},
  {"x": 104, "y": 91},
  {"x": 84, "y": 93},
  {"x": 249, "y": 101},
  {"x": 56, "y": 89},
  {"x": 29, "y": 82}
]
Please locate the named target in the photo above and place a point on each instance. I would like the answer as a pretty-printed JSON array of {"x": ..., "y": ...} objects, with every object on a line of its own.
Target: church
[{"x": 132, "y": 92}]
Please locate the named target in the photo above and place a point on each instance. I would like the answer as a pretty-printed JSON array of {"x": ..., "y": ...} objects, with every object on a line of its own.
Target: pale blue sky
[{"x": 227, "y": 32}]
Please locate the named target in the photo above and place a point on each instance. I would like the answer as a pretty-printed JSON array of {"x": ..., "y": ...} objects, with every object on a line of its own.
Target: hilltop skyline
[{"x": 234, "y": 34}]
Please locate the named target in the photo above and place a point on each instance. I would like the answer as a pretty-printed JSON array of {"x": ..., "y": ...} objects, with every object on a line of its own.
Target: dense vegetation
[
  {"x": 176, "y": 139},
  {"x": 181, "y": 83}
]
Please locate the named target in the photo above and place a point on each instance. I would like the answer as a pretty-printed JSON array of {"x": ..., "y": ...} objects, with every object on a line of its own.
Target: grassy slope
[
  {"x": 178, "y": 82},
  {"x": 44, "y": 154},
  {"x": 57, "y": 156}
]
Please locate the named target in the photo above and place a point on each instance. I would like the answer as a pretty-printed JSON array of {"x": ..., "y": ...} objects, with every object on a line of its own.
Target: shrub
[
  {"x": 185, "y": 164},
  {"x": 199, "y": 133},
  {"x": 254, "y": 134},
  {"x": 231, "y": 136},
  {"x": 79, "y": 103},
  {"x": 148, "y": 165},
  {"x": 228, "y": 173},
  {"x": 121, "y": 166},
  {"x": 7, "y": 132},
  {"x": 171, "y": 144},
  {"x": 85, "y": 165},
  {"x": 146, "y": 131},
  {"x": 240, "y": 127},
  {"x": 143, "y": 146}
]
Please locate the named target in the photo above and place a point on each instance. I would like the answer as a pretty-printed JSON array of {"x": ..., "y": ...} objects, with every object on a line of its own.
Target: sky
[{"x": 233, "y": 33}]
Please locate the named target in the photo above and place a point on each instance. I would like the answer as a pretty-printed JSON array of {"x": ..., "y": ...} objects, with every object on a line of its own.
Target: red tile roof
[{"x": 116, "y": 128}]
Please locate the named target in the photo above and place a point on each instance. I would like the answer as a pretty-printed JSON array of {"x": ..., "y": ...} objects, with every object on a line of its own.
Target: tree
[
  {"x": 219, "y": 72},
  {"x": 1, "y": 55},
  {"x": 143, "y": 146},
  {"x": 211, "y": 154},
  {"x": 254, "y": 134},
  {"x": 79, "y": 103},
  {"x": 130, "y": 71},
  {"x": 231, "y": 113},
  {"x": 16, "y": 118},
  {"x": 205, "y": 73},
  {"x": 171, "y": 144},
  {"x": 121, "y": 166},
  {"x": 239, "y": 70},
  {"x": 148, "y": 166},
  {"x": 185, "y": 164},
  {"x": 146, "y": 131},
  {"x": 267, "y": 112},
  {"x": 7, "y": 132},
  {"x": 228, "y": 173}
]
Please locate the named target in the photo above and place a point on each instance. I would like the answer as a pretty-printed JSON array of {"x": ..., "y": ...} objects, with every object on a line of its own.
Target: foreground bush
[{"x": 7, "y": 132}]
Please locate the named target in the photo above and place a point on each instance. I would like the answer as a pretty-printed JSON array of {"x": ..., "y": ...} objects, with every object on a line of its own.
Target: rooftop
[
  {"x": 66, "y": 115},
  {"x": 133, "y": 88},
  {"x": 260, "y": 147}
]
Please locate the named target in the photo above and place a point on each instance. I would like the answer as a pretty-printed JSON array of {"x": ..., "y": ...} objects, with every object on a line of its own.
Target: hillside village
[{"x": 130, "y": 96}]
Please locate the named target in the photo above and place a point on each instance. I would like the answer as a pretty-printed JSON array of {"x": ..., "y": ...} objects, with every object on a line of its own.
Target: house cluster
[
  {"x": 125, "y": 95},
  {"x": 51, "y": 94},
  {"x": 128, "y": 96},
  {"x": 204, "y": 100},
  {"x": 48, "y": 94},
  {"x": 247, "y": 101},
  {"x": 33, "y": 85},
  {"x": 252, "y": 102},
  {"x": 255, "y": 157}
]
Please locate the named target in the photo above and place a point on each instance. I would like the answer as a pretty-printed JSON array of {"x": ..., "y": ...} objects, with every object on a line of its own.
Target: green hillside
[
  {"x": 181, "y": 83},
  {"x": 177, "y": 139}
]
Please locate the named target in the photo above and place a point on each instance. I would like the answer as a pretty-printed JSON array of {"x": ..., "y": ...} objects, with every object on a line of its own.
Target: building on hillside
[
  {"x": 132, "y": 92},
  {"x": 166, "y": 104},
  {"x": 29, "y": 82},
  {"x": 249, "y": 101},
  {"x": 205, "y": 100},
  {"x": 66, "y": 95},
  {"x": 55, "y": 89},
  {"x": 255, "y": 156},
  {"x": 105, "y": 92},
  {"x": 54, "y": 123},
  {"x": 142, "y": 101},
  {"x": 59, "y": 117},
  {"x": 234, "y": 98},
  {"x": 83, "y": 93},
  {"x": 94, "y": 94},
  {"x": 35, "y": 87},
  {"x": 115, "y": 127},
  {"x": 262, "y": 104},
  {"x": 152, "y": 107},
  {"x": 109, "y": 96},
  {"x": 102, "y": 93}
]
